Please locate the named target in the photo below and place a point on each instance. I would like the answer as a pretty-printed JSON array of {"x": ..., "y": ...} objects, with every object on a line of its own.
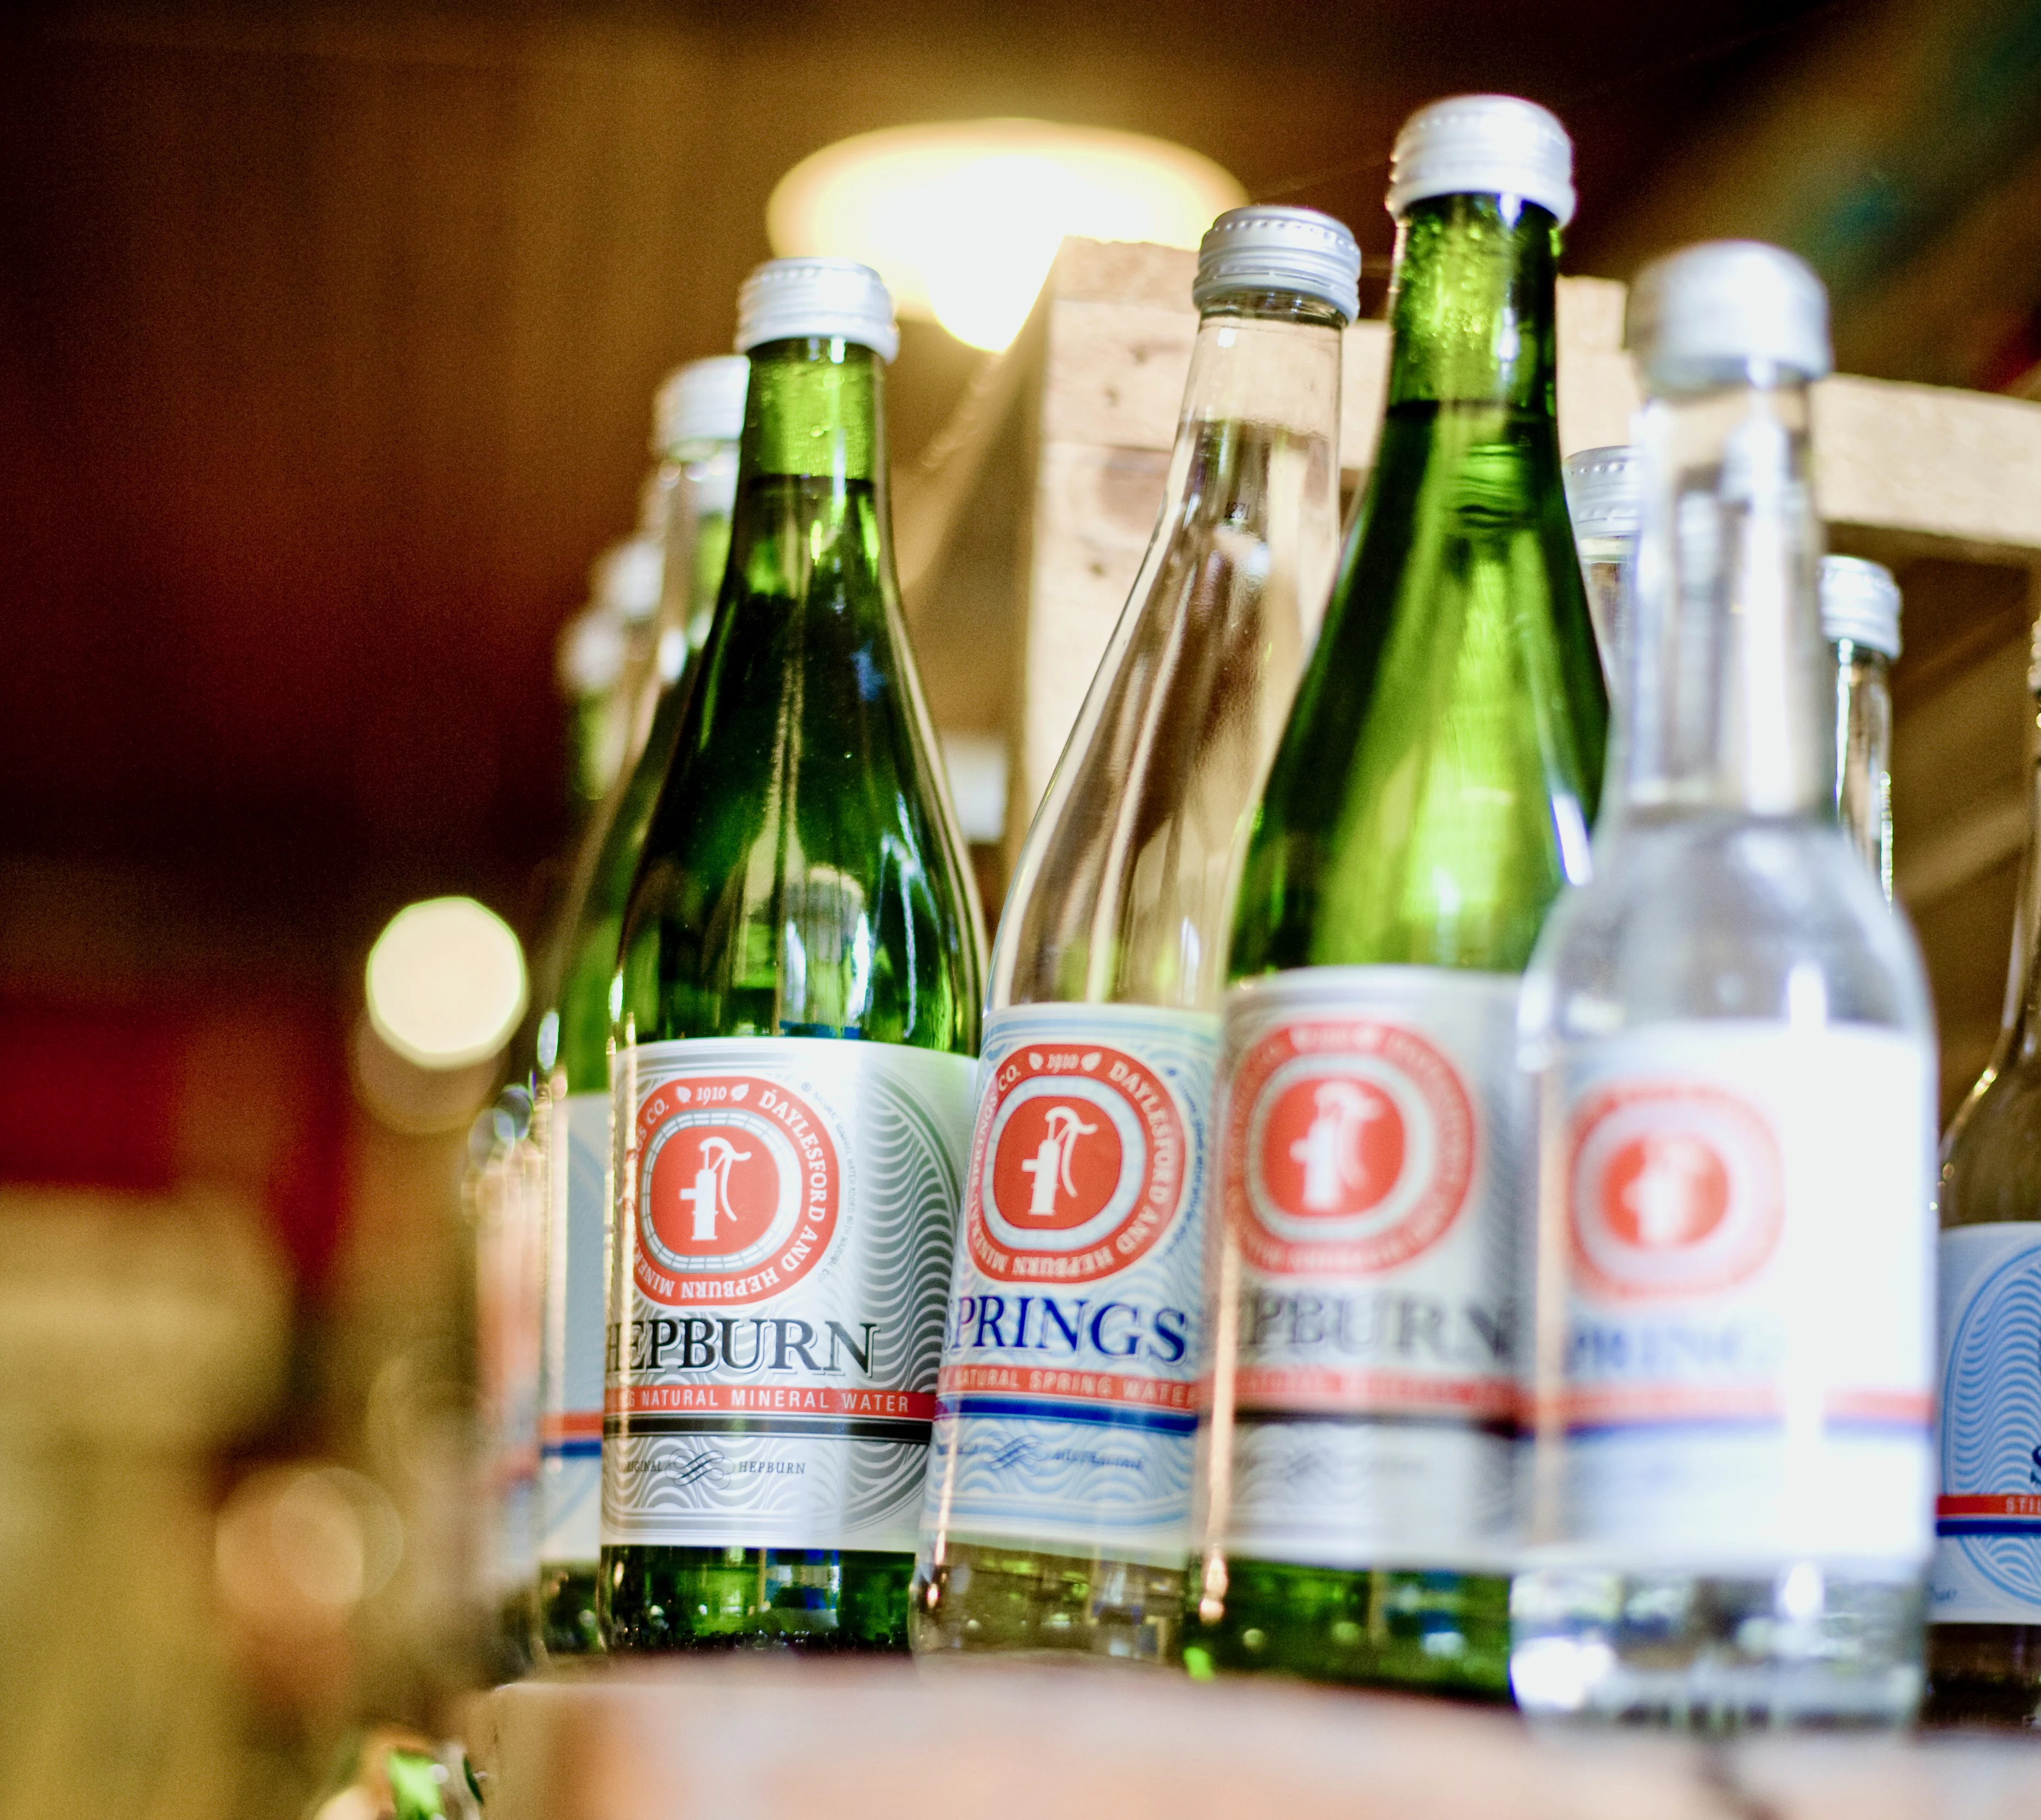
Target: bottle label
[
  {"x": 570, "y": 1470},
  {"x": 1068, "y": 1409},
  {"x": 1372, "y": 1174},
  {"x": 785, "y": 1208},
  {"x": 1987, "y": 1565},
  {"x": 1741, "y": 1211}
]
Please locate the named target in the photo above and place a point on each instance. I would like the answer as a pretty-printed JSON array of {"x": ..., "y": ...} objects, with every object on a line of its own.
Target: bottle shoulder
[
  {"x": 1124, "y": 889},
  {"x": 1725, "y": 916},
  {"x": 1991, "y": 1157}
]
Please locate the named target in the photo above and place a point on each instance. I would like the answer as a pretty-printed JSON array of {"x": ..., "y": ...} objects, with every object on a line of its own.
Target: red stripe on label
[
  {"x": 577, "y": 1424},
  {"x": 1663, "y": 1403},
  {"x": 1881, "y": 1406},
  {"x": 1079, "y": 1387},
  {"x": 1309, "y": 1387},
  {"x": 2000, "y": 1504},
  {"x": 1705, "y": 1402},
  {"x": 795, "y": 1399}
]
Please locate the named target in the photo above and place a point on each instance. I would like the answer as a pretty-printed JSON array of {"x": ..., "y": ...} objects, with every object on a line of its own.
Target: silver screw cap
[
  {"x": 1860, "y": 602},
  {"x": 701, "y": 402},
  {"x": 1703, "y": 316},
  {"x": 1604, "y": 488},
  {"x": 1266, "y": 248},
  {"x": 1483, "y": 145},
  {"x": 786, "y": 299}
]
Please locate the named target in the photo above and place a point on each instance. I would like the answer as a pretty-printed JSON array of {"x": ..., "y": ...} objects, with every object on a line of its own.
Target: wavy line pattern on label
[{"x": 1991, "y": 1416}]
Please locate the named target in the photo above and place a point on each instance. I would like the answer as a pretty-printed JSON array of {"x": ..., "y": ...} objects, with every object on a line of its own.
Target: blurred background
[{"x": 328, "y": 337}]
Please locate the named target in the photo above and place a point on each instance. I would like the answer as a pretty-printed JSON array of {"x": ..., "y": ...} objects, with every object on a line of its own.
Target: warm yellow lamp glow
[
  {"x": 446, "y": 983},
  {"x": 963, "y": 218}
]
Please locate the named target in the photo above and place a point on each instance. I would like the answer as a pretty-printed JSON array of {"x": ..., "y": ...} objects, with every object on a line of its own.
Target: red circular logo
[
  {"x": 1677, "y": 1189},
  {"x": 736, "y": 1192},
  {"x": 1349, "y": 1148},
  {"x": 1077, "y": 1165}
]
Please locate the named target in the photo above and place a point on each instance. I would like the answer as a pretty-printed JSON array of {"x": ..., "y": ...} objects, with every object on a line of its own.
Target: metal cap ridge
[
  {"x": 1860, "y": 602},
  {"x": 1604, "y": 491},
  {"x": 1706, "y": 315},
  {"x": 786, "y": 299},
  {"x": 1483, "y": 145},
  {"x": 701, "y": 402},
  {"x": 1267, "y": 247}
]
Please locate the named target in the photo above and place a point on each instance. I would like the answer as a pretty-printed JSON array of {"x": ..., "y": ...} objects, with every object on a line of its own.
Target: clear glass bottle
[
  {"x": 503, "y": 1196},
  {"x": 796, "y": 1013},
  {"x": 1059, "y": 1489},
  {"x": 1984, "y": 1588},
  {"x": 1602, "y": 492},
  {"x": 698, "y": 419},
  {"x": 1431, "y": 792},
  {"x": 1734, "y": 1054},
  {"x": 1860, "y": 620}
]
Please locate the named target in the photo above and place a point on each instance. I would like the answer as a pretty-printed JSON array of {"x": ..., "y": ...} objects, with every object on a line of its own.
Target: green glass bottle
[
  {"x": 698, "y": 418},
  {"x": 1432, "y": 792},
  {"x": 796, "y": 1006}
]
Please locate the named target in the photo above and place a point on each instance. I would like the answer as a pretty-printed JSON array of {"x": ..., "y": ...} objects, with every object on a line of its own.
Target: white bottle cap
[
  {"x": 1702, "y": 317},
  {"x": 1604, "y": 489},
  {"x": 591, "y": 652},
  {"x": 1860, "y": 602},
  {"x": 787, "y": 298},
  {"x": 701, "y": 402},
  {"x": 1268, "y": 248},
  {"x": 1483, "y": 145},
  {"x": 627, "y": 578}
]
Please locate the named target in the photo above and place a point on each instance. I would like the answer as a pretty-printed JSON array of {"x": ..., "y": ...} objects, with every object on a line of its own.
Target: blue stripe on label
[
  {"x": 1988, "y": 1526},
  {"x": 574, "y": 1449},
  {"x": 1684, "y": 1424},
  {"x": 1044, "y": 1409}
]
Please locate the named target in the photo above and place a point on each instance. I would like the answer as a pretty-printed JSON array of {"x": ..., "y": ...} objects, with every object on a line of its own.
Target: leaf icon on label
[
  {"x": 681, "y": 1096},
  {"x": 1090, "y": 1063},
  {"x": 741, "y": 1091},
  {"x": 1034, "y": 1058}
]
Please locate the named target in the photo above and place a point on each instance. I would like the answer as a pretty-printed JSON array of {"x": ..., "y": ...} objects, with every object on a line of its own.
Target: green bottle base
[
  {"x": 987, "y": 1599},
  {"x": 808, "y": 1601},
  {"x": 569, "y": 1624},
  {"x": 1435, "y": 1633}
]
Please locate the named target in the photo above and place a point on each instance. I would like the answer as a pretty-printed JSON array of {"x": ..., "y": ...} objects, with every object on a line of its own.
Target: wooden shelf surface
[{"x": 752, "y": 1739}]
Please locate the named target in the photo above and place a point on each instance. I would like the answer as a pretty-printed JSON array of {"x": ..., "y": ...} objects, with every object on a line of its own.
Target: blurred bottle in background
[
  {"x": 1432, "y": 792},
  {"x": 1734, "y": 1052},
  {"x": 1984, "y": 1590},
  {"x": 1088, "y": 1178},
  {"x": 798, "y": 997},
  {"x": 1860, "y": 620},
  {"x": 698, "y": 417},
  {"x": 605, "y": 652},
  {"x": 1602, "y": 491},
  {"x": 504, "y": 1197}
]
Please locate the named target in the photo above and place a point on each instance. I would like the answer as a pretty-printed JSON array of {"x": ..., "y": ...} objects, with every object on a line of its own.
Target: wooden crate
[{"x": 1021, "y": 531}]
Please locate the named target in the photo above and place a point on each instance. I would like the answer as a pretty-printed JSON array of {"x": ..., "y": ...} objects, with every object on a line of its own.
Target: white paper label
[
  {"x": 1987, "y": 1566},
  {"x": 571, "y": 1469},
  {"x": 785, "y": 1212},
  {"x": 1740, "y": 1212},
  {"x": 1371, "y": 1177},
  {"x": 1068, "y": 1408}
]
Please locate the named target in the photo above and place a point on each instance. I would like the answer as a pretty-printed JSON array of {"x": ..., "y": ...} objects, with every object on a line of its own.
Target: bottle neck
[
  {"x": 1730, "y": 694},
  {"x": 2023, "y": 986},
  {"x": 704, "y": 491},
  {"x": 1268, "y": 357},
  {"x": 1472, "y": 308},
  {"x": 1864, "y": 754},
  {"x": 814, "y": 411}
]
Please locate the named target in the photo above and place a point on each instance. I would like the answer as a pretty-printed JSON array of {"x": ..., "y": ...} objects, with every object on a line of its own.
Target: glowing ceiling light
[
  {"x": 446, "y": 983},
  {"x": 962, "y": 218}
]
